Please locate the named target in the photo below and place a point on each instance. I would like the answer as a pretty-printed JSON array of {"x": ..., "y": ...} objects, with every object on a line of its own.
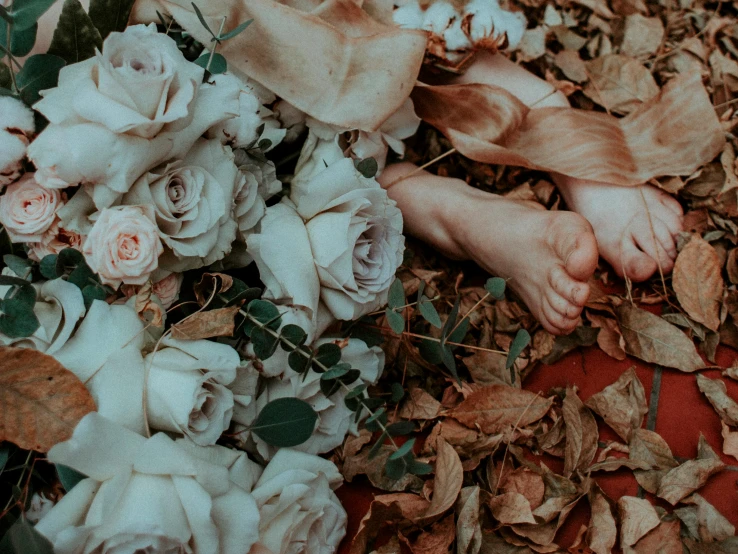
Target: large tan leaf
[
  {"x": 664, "y": 539},
  {"x": 703, "y": 520},
  {"x": 691, "y": 475},
  {"x": 582, "y": 434},
  {"x": 619, "y": 84},
  {"x": 650, "y": 448},
  {"x": 386, "y": 509},
  {"x": 468, "y": 529},
  {"x": 622, "y": 405},
  {"x": 447, "y": 484},
  {"x": 497, "y": 407},
  {"x": 510, "y": 508},
  {"x": 204, "y": 325},
  {"x": 698, "y": 282},
  {"x": 637, "y": 517},
  {"x": 602, "y": 531},
  {"x": 717, "y": 393},
  {"x": 336, "y": 63},
  {"x": 41, "y": 402},
  {"x": 655, "y": 340},
  {"x": 673, "y": 133}
]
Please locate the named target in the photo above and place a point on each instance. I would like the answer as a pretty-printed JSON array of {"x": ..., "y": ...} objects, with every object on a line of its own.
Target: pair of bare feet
[{"x": 547, "y": 257}]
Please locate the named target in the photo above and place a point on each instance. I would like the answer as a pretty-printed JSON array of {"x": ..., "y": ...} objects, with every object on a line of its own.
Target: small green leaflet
[{"x": 285, "y": 422}]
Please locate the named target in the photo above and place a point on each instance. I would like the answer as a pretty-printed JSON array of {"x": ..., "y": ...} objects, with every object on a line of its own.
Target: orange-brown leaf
[
  {"x": 41, "y": 402},
  {"x": 203, "y": 325},
  {"x": 698, "y": 282},
  {"x": 447, "y": 484},
  {"x": 622, "y": 405}
]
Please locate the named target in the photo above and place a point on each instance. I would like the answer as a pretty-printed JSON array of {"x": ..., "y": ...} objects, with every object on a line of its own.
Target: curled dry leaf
[
  {"x": 495, "y": 408},
  {"x": 622, "y": 405},
  {"x": 657, "y": 341},
  {"x": 510, "y": 508},
  {"x": 41, "y": 402},
  {"x": 637, "y": 517},
  {"x": 609, "y": 339},
  {"x": 449, "y": 478},
  {"x": 203, "y": 325},
  {"x": 730, "y": 441},
  {"x": 619, "y": 84},
  {"x": 582, "y": 434},
  {"x": 468, "y": 529},
  {"x": 691, "y": 475},
  {"x": 613, "y": 464},
  {"x": 420, "y": 405},
  {"x": 526, "y": 482},
  {"x": 211, "y": 283},
  {"x": 148, "y": 310},
  {"x": 703, "y": 521},
  {"x": 602, "y": 531},
  {"x": 385, "y": 509},
  {"x": 664, "y": 539},
  {"x": 698, "y": 282},
  {"x": 648, "y": 447},
  {"x": 437, "y": 539},
  {"x": 717, "y": 393}
]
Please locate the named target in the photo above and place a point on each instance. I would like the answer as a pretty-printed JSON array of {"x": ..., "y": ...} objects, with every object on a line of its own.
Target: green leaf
[
  {"x": 285, "y": 422},
  {"x": 336, "y": 372},
  {"x": 368, "y": 167},
  {"x": 6, "y": 80},
  {"x": 431, "y": 351},
  {"x": 419, "y": 468},
  {"x": 401, "y": 428},
  {"x": 21, "y": 266},
  {"x": 40, "y": 72},
  {"x": 406, "y": 448},
  {"x": 48, "y": 266},
  {"x": 292, "y": 334},
  {"x": 93, "y": 292},
  {"x": 17, "y": 319},
  {"x": 27, "y": 12},
  {"x": 265, "y": 313},
  {"x": 202, "y": 19},
  {"x": 496, "y": 287},
  {"x": 69, "y": 477},
  {"x": 373, "y": 422},
  {"x": 377, "y": 446},
  {"x": 395, "y": 469},
  {"x": 76, "y": 37},
  {"x": 397, "y": 392},
  {"x": 521, "y": 340},
  {"x": 459, "y": 333},
  {"x": 428, "y": 311},
  {"x": 449, "y": 361},
  {"x": 328, "y": 354},
  {"x": 396, "y": 297},
  {"x": 5, "y": 15},
  {"x": 218, "y": 64},
  {"x": 395, "y": 320},
  {"x": 265, "y": 344},
  {"x": 237, "y": 31},
  {"x": 451, "y": 319},
  {"x": 22, "y": 538},
  {"x": 21, "y": 40},
  {"x": 110, "y": 15},
  {"x": 300, "y": 362},
  {"x": 23, "y": 294}
]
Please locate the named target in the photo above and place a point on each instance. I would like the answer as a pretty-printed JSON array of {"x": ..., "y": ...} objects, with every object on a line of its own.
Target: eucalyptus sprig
[{"x": 212, "y": 62}]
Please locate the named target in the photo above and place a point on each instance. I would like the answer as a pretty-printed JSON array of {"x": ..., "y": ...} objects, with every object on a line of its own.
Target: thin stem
[
  {"x": 419, "y": 169},
  {"x": 217, "y": 42},
  {"x": 467, "y": 314}
]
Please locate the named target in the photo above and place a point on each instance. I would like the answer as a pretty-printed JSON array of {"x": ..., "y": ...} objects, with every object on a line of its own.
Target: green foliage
[
  {"x": 368, "y": 167},
  {"x": 18, "y": 319},
  {"x": 395, "y": 320},
  {"x": 327, "y": 355},
  {"x": 236, "y": 31},
  {"x": 21, "y": 40},
  {"x": 239, "y": 292},
  {"x": 521, "y": 340},
  {"x": 496, "y": 287},
  {"x": 285, "y": 422},
  {"x": 215, "y": 64},
  {"x": 262, "y": 313},
  {"x": 20, "y": 266},
  {"x": 219, "y": 38},
  {"x": 69, "y": 477},
  {"x": 265, "y": 343},
  {"x": 40, "y": 72},
  {"x": 396, "y": 296},
  {"x": 6, "y": 79},
  {"x": 22, "y": 538},
  {"x": 25, "y": 13},
  {"x": 110, "y": 15},
  {"x": 292, "y": 337},
  {"x": 76, "y": 37}
]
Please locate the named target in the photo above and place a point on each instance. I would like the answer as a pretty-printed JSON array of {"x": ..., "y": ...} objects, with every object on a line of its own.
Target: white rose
[
  {"x": 105, "y": 353},
  {"x": 59, "y": 306},
  {"x": 140, "y": 99},
  {"x": 192, "y": 202},
  {"x": 291, "y": 119},
  {"x": 27, "y": 209},
  {"x": 16, "y": 129},
  {"x": 186, "y": 388},
  {"x": 342, "y": 243},
  {"x": 54, "y": 240},
  {"x": 334, "y": 418},
  {"x": 147, "y": 495},
  {"x": 123, "y": 245},
  {"x": 300, "y": 513}
]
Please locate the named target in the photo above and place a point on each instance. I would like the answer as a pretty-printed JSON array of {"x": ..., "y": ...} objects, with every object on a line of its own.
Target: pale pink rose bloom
[
  {"x": 27, "y": 209},
  {"x": 123, "y": 245},
  {"x": 54, "y": 240},
  {"x": 167, "y": 289}
]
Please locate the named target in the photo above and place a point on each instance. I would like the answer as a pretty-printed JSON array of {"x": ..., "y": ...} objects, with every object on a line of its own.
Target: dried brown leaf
[
  {"x": 437, "y": 539},
  {"x": 510, "y": 508},
  {"x": 698, "y": 282},
  {"x": 447, "y": 484},
  {"x": 637, "y": 517},
  {"x": 717, "y": 393},
  {"x": 613, "y": 464},
  {"x": 622, "y": 405},
  {"x": 602, "y": 531},
  {"x": 730, "y": 441},
  {"x": 527, "y": 483},
  {"x": 386, "y": 509},
  {"x": 643, "y": 35},
  {"x": 494, "y": 544},
  {"x": 664, "y": 539},
  {"x": 609, "y": 339},
  {"x": 619, "y": 83},
  {"x": 488, "y": 368},
  {"x": 211, "y": 283},
  {"x": 726, "y": 546},
  {"x": 495, "y": 408},
  {"x": 650, "y": 448},
  {"x": 468, "y": 529},
  {"x": 691, "y": 475},
  {"x": 203, "y": 325},
  {"x": 582, "y": 434},
  {"x": 420, "y": 405},
  {"x": 41, "y": 402},
  {"x": 654, "y": 340},
  {"x": 704, "y": 521}
]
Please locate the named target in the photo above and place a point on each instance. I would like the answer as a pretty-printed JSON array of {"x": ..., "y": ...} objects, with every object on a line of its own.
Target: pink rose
[
  {"x": 167, "y": 289},
  {"x": 54, "y": 240},
  {"x": 123, "y": 245},
  {"x": 27, "y": 209}
]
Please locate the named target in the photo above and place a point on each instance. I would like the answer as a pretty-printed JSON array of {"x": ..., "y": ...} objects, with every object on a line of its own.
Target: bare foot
[
  {"x": 636, "y": 227},
  {"x": 547, "y": 257}
]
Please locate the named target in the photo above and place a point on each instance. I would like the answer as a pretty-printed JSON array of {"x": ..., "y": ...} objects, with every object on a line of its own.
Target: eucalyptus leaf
[
  {"x": 430, "y": 351},
  {"x": 17, "y": 319},
  {"x": 22, "y": 267},
  {"x": 6, "y": 79},
  {"x": 237, "y": 31},
  {"x": 395, "y": 320},
  {"x": 22, "y": 538},
  {"x": 368, "y": 167},
  {"x": 299, "y": 361},
  {"x": 265, "y": 313},
  {"x": 69, "y": 477},
  {"x": 336, "y": 372},
  {"x": 451, "y": 319},
  {"x": 40, "y": 72},
  {"x": 396, "y": 296},
  {"x": 396, "y": 469},
  {"x": 377, "y": 446},
  {"x": 48, "y": 266},
  {"x": 90, "y": 293},
  {"x": 406, "y": 448},
  {"x": 429, "y": 312},
  {"x": 291, "y": 337},
  {"x": 110, "y": 15},
  {"x": 24, "y": 294},
  {"x": 21, "y": 40},
  {"x": 27, "y": 12},
  {"x": 397, "y": 392},
  {"x": 218, "y": 64},
  {"x": 76, "y": 38},
  {"x": 202, "y": 19},
  {"x": 265, "y": 344},
  {"x": 419, "y": 468},
  {"x": 496, "y": 287},
  {"x": 521, "y": 340},
  {"x": 285, "y": 422},
  {"x": 328, "y": 355}
]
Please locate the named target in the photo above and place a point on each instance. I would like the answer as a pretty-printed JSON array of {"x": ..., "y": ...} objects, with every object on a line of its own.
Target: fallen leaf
[
  {"x": 392, "y": 547},
  {"x": 41, "y": 402},
  {"x": 527, "y": 483},
  {"x": 664, "y": 539},
  {"x": 571, "y": 64},
  {"x": 211, "y": 284},
  {"x": 360, "y": 464},
  {"x": 650, "y": 448},
  {"x": 691, "y": 475},
  {"x": 386, "y": 509},
  {"x": 420, "y": 405},
  {"x": 563, "y": 344},
  {"x": 654, "y": 340},
  {"x": 494, "y": 544},
  {"x": 619, "y": 83},
  {"x": 203, "y": 325},
  {"x": 727, "y": 546},
  {"x": 703, "y": 520},
  {"x": 622, "y": 405},
  {"x": 437, "y": 539},
  {"x": 496, "y": 407},
  {"x": 602, "y": 531},
  {"x": 148, "y": 310},
  {"x": 637, "y": 517},
  {"x": 609, "y": 339},
  {"x": 730, "y": 441},
  {"x": 471, "y": 445},
  {"x": 468, "y": 529},
  {"x": 642, "y": 36},
  {"x": 717, "y": 393},
  {"x": 582, "y": 434},
  {"x": 510, "y": 508},
  {"x": 613, "y": 464},
  {"x": 488, "y": 368},
  {"x": 447, "y": 484},
  {"x": 698, "y": 282}
]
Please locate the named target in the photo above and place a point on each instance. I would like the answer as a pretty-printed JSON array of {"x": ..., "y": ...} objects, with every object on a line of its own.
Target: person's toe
[
  {"x": 575, "y": 244},
  {"x": 653, "y": 245},
  {"x": 633, "y": 262},
  {"x": 553, "y": 321},
  {"x": 562, "y": 305},
  {"x": 672, "y": 204}
]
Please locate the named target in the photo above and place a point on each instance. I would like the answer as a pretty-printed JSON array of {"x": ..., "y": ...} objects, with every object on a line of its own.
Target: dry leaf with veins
[
  {"x": 602, "y": 531},
  {"x": 650, "y": 448},
  {"x": 449, "y": 476},
  {"x": 717, "y": 393},
  {"x": 698, "y": 282},
  {"x": 582, "y": 434},
  {"x": 664, "y": 539},
  {"x": 622, "y": 405},
  {"x": 691, "y": 475},
  {"x": 204, "y": 325},
  {"x": 420, "y": 405},
  {"x": 703, "y": 521},
  {"x": 637, "y": 517},
  {"x": 730, "y": 441},
  {"x": 468, "y": 529}
]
